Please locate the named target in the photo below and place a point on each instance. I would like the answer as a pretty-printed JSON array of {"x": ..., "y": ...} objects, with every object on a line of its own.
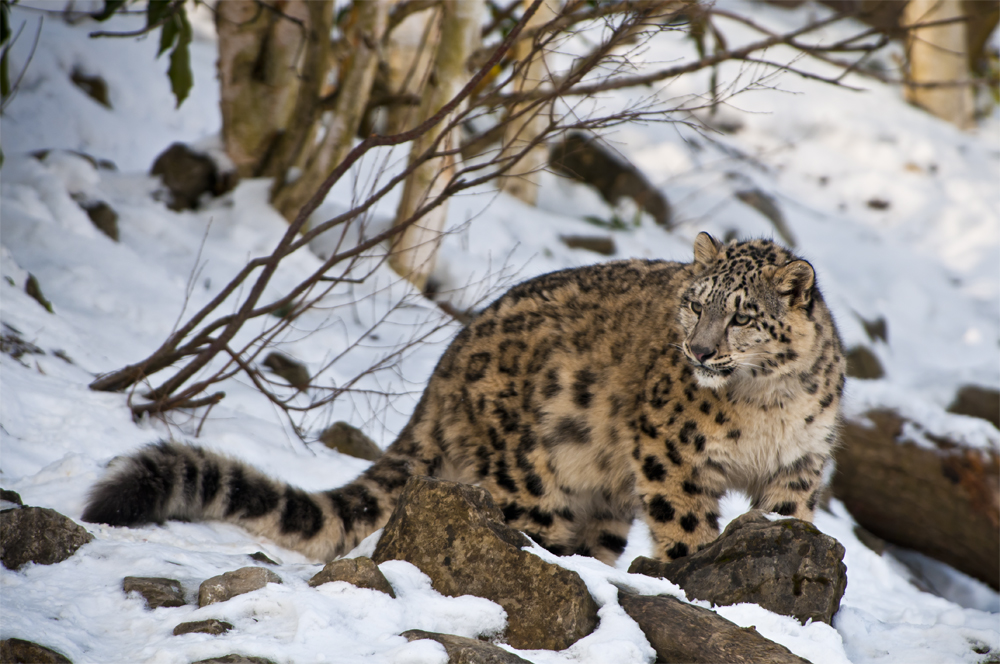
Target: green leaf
[
  {"x": 110, "y": 7},
  {"x": 181, "y": 78},
  {"x": 168, "y": 34},
  {"x": 155, "y": 11}
]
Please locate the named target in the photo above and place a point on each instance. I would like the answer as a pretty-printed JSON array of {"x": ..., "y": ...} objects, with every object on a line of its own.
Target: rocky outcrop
[
  {"x": 38, "y": 535},
  {"x": 599, "y": 244},
  {"x": 786, "y": 566},
  {"x": 102, "y": 215},
  {"x": 226, "y": 586},
  {"x": 19, "y": 651},
  {"x": 360, "y": 572},
  {"x": 12, "y": 497},
  {"x": 587, "y": 160},
  {"x": 210, "y": 626},
  {"x": 291, "y": 370},
  {"x": 189, "y": 174},
  {"x": 462, "y": 650},
  {"x": 863, "y": 363},
  {"x": 349, "y": 440},
  {"x": 157, "y": 591},
  {"x": 977, "y": 401},
  {"x": 682, "y": 632},
  {"x": 34, "y": 291},
  {"x": 456, "y": 535},
  {"x": 261, "y": 557}
]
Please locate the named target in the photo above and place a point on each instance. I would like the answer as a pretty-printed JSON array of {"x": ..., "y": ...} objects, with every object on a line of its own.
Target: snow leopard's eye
[
  {"x": 740, "y": 319},
  {"x": 695, "y": 307}
]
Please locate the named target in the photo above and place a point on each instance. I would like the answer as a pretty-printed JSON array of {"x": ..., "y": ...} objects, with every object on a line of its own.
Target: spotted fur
[{"x": 579, "y": 399}]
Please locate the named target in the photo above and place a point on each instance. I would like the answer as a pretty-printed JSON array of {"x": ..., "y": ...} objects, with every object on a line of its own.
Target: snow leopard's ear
[
  {"x": 706, "y": 249},
  {"x": 795, "y": 281}
]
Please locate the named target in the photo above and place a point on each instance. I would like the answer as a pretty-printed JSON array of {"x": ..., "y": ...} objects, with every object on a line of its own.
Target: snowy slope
[{"x": 927, "y": 263}]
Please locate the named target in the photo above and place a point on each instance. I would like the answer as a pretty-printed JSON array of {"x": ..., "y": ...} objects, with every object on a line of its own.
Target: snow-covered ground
[{"x": 927, "y": 263}]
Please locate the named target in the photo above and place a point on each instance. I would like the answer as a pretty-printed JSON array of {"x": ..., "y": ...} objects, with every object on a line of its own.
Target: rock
[
  {"x": 873, "y": 542},
  {"x": 349, "y": 440},
  {"x": 938, "y": 496},
  {"x": 598, "y": 244},
  {"x": 863, "y": 363},
  {"x": 786, "y": 566},
  {"x": 38, "y": 535},
  {"x": 585, "y": 159},
  {"x": 101, "y": 215},
  {"x": 94, "y": 87},
  {"x": 34, "y": 290},
  {"x": 878, "y": 204},
  {"x": 226, "y": 586},
  {"x": 156, "y": 590},
  {"x": 234, "y": 658},
  {"x": 768, "y": 207},
  {"x": 291, "y": 370},
  {"x": 12, "y": 344},
  {"x": 261, "y": 557},
  {"x": 63, "y": 355},
  {"x": 12, "y": 497},
  {"x": 976, "y": 401},
  {"x": 210, "y": 626},
  {"x": 103, "y": 164},
  {"x": 360, "y": 572},
  {"x": 462, "y": 650},
  {"x": 19, "y": 651},
  {"x": 456, "y": 535},
  {"x": 189, "y": 174},
  {"x": 877, "y": 330},
  {"x": 681, "y": 632}
]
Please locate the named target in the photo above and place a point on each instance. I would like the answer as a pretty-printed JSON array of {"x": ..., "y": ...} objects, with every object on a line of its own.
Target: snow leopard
[{"x": 581, "y": 400}]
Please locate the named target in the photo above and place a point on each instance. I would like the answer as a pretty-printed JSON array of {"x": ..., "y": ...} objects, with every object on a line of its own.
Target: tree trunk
[
  {"x": 937, "y": 54},
  {"x": 290, "y": 147},
  {"x": 414, "y": 250},
  {"x": 409, "y": 55},
  {"x": 942, "y": 502},
  {"x": 522, "y": 181},
  {"x": 259, "y": 50},
  {"x": 353, "y": 90}
]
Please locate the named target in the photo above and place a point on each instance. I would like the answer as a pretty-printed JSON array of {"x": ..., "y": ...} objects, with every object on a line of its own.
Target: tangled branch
[{"x": 205, "y": 346}]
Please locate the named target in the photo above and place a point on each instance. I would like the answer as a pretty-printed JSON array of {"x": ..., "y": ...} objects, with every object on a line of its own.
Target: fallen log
[
  {"x": 943, "y": 501},
  {"x": 686, "y": 633}
]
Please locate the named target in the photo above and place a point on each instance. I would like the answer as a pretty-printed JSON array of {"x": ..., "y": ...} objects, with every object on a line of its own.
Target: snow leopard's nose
[{"x": 701, "y": 353}]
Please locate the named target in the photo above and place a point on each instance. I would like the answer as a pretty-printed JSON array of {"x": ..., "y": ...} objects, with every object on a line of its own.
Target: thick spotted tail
[{"x": 181, "y": 482}]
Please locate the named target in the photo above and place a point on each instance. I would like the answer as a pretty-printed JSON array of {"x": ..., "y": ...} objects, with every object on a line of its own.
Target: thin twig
[{"x": 24, "y": 69}]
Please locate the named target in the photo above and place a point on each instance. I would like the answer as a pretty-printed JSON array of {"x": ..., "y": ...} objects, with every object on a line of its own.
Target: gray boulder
[
  {"x": 188, "y": 174},
  {"x": 38, "y": 535},
  {"x": 226, "y": 586},
  {"x": 156, "y": 590},
  {"x": 349, "y": 440},
  {"x": 787, "y": 566},
  {"x": 19, "y": 651},
  {"x": 210, "y": 626},
  {"x": 456, "y": 535},
  {"x": 360, "y": 572}
]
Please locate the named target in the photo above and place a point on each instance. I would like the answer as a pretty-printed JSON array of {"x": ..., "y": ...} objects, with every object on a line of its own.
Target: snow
[{"x": 927, "y": 264}]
